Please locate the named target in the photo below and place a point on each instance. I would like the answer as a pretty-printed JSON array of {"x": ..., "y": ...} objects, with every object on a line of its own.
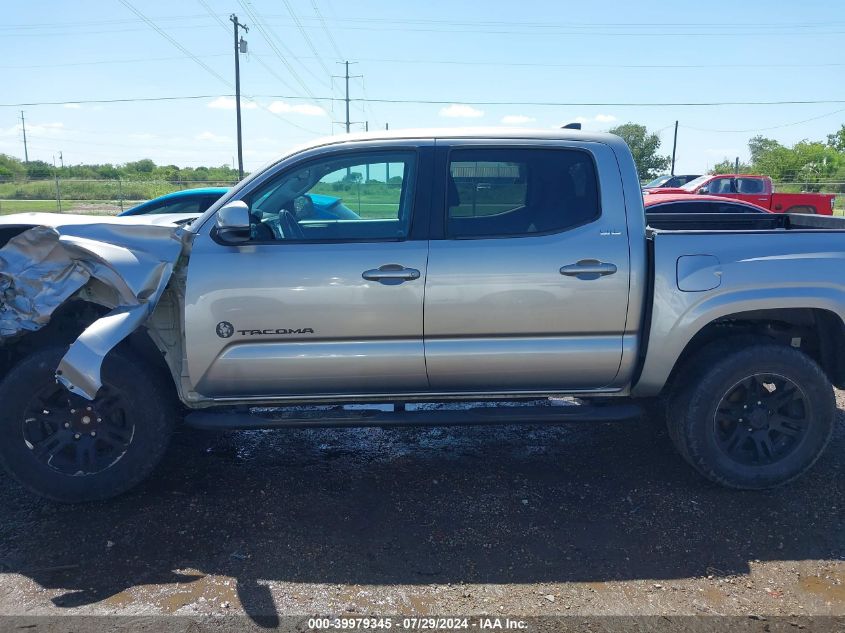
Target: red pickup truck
[{"x": 756, "y": 190}]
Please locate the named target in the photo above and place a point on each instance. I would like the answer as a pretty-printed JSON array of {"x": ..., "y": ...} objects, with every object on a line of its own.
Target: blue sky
[{"x": 454, "y": 51}]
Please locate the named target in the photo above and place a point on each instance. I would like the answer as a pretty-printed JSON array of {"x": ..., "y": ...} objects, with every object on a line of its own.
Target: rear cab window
[{"x": 750, "y": 185}]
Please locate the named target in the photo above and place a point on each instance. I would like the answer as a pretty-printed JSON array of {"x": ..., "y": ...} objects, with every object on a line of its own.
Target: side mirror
[
  {"x": 704, "y": 190},
  {"x": 233, "y": 226}
]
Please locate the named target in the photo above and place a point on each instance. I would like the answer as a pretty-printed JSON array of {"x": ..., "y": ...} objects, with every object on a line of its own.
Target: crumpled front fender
[{"x": 57, "y": 255}]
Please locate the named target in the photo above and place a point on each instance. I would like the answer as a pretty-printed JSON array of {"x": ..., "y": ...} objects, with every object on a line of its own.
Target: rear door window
[
  {"x": 519, "y": 192},
  {"x": 750, "y": 185}
]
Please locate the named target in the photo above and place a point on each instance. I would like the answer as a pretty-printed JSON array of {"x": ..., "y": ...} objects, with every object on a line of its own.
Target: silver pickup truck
[{"x": 386, "y": 270}]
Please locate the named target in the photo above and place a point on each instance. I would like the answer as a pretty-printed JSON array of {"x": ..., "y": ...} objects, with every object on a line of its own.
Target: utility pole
[
  {"x": 674, "y": 147},
  {"x": 61, "y": 159},
  {"x": 58, "y": 187},
  {"x": 25, "y": 152},
  {"x": 347, "y": 96},
  {"x": 240, "y": 47},
  {"x": 347, "y": 77},
  {"x": 367, "y": 168}
]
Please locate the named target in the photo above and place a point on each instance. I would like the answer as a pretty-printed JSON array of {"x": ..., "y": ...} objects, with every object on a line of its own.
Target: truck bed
[
  {"x": 705, "y": 268},
  {"x": 662, "y": 222}
]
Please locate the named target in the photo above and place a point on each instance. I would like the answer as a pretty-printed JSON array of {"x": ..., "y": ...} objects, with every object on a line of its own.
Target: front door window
[{"x": 346, "y": 198}]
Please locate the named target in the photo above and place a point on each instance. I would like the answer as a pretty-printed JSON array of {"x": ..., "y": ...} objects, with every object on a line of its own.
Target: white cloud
[
  {"x": 517, "y": 119},
  {"x": 228, "y": 103},
  {"x": 605, "y": 118},
  {"x": 281, "y": 107},
  {"x": 142, "y": 136},
  {"x": 72, "y": 106},
  {"x": 461, "y": 111},
  {"x": 43, "y": 130},
  {"x": 211, "y": 136}
]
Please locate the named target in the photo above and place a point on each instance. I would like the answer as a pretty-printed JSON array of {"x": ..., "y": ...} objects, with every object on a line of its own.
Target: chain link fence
[{"x": 101, "y": 196}]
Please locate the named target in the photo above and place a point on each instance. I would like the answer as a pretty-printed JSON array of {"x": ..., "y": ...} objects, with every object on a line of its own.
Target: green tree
[
  {"x": 727, "y": 166},
  {"x": 144, "y": 167},
  {"x": 644, "y": 147},
  {"x": 11, "y": 167},
  {"x": 760, "y": 146},
  {"x": 806, "y": 162},
  {"x": 38, "y": 169},
  {"x": 837, "y": 139}
]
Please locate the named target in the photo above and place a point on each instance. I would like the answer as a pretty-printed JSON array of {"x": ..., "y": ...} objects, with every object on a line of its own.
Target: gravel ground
[{"x": 590, "y": 519}]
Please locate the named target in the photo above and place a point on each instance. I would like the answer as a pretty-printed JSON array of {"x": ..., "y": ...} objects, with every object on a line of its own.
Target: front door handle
[
  {"x": 391, "y": 274},
  {"x": 588, "y": 269}
]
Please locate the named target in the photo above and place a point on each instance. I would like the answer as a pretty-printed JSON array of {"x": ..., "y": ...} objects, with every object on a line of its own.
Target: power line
[
  {"x": 475, "y": 30},
  {"x": 626, "y": 104},
  {"x": 274, "y": 45},
  {"x": 534, "y": 32},
  {"x": 605, "y": 103},
  {"x": 447, "y": 62},
  {"x": 111, "y": 61},
  {"x": 587, "y": 25},
  {"x": 175, "y": 43},
  {"x": 326, "y": 30},
  {"x": 544, "y": 24},
  {"x": 498, "y": 64},
  {"x": 266, "y": 66},
  {"x": 763, "y": 129},
  {"x": 306, "y": 37},
  {"x": 261, "y": 61}
]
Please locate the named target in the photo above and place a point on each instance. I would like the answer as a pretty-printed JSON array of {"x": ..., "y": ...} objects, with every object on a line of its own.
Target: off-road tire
[
  {"x": 146, "y": 404},
  {"x": 711, "y": 376}
]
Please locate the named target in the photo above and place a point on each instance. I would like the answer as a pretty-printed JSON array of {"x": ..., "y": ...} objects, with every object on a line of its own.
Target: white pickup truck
[{"x": 391, "y": 269}]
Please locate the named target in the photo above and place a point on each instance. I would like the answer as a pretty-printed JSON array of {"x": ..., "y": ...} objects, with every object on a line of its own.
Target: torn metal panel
[
  {"x": 79, "y": 369},
  {"x": 43, "y": 266},
  {"x": 37, "y": 275}
]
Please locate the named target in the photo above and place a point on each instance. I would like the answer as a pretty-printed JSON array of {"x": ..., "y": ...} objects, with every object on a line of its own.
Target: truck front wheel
[
  {"x": 66, "y": 448},
  {"x": 754, "y": 418}
]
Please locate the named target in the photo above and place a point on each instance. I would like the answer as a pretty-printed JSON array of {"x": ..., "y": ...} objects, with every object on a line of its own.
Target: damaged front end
[{"x": 46, "y": 259}]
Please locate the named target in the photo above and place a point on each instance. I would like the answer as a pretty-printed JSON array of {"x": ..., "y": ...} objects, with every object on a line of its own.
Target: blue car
[
  {"x": 185, "y": 201},
  {"x": 196, "y": 201},
  {"x": 324, "y": 207}
]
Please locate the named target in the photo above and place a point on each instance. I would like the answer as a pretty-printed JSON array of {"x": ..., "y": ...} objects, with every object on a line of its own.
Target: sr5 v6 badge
[{"x": 226, "y": 329}]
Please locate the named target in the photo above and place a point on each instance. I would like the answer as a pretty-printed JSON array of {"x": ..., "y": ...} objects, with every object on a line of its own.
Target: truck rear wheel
[
  {"x": 754, "y": 418},
  {"x": 66, "y": 448}
]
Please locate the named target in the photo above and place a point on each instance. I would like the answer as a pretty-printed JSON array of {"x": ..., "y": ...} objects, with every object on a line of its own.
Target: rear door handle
[
  {"x": 588, "y": 269},
  {"x": 391, "y": 274}
]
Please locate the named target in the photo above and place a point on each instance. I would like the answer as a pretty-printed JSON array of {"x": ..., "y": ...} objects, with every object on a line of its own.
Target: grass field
[{"x": 95, "y": 207}]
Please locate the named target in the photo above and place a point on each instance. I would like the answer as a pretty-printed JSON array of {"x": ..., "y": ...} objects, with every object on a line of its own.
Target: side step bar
[{"x": 242, "y": 420}]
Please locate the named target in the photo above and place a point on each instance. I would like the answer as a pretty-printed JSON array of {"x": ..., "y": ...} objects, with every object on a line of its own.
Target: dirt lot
[{"x": 602, "y": 519}]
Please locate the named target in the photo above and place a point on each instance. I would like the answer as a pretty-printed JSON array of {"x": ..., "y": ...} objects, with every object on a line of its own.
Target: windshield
[
  {"x": 657, "y": 182},
  {"x": 692, "y": 185}
]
